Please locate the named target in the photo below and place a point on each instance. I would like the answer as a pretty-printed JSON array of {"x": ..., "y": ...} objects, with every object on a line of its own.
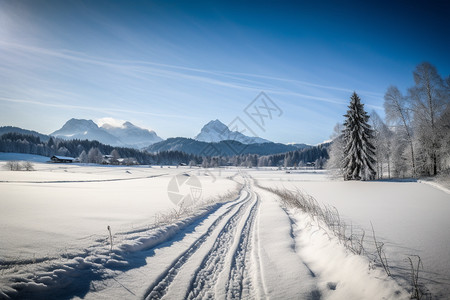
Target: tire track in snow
[
  {"x": 258, "y": 276},
  {"x": 239, "y": 280},
  {"x": 213, "y": 263},
  {"x": 159, "y": 288}
]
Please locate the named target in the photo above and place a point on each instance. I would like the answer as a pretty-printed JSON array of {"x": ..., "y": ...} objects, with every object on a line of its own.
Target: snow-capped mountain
[
  {"x": 85, "y": 130},
  {"x": 215, "y": 131},
  {"x": 127, "y": 135},
  {"x": 132, "y": 135}
]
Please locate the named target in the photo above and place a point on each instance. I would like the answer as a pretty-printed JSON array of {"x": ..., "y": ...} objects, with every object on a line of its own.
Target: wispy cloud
[
  {"x": 91, "y": 108},
  {"x": 110, "y": 121},
  {"x": 233, "y": 80},
  {"x": 139, "y": 90}
]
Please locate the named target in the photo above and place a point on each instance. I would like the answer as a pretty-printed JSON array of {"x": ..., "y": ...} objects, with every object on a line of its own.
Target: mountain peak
[
  {"x": 128, "y": 125},
  {"x": 77, "y": 125},
  {"x": 215, "y": 131},
  {"x": 215, "y": 125},
  {"x": 216, "y": 121},
  {"x": 84, "y": 129},
  {"x": 80, "y": 122}
]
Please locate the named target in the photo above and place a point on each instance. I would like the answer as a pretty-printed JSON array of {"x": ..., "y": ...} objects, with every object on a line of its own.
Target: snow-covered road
[{"x": 251, "y": 248}]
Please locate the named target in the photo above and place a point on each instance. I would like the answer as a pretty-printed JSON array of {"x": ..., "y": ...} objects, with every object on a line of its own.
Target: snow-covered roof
[{"x": 63, "y": 157}]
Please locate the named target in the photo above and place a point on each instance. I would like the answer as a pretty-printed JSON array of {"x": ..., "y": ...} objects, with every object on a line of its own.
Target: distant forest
[{"x": 92, "y": 152}]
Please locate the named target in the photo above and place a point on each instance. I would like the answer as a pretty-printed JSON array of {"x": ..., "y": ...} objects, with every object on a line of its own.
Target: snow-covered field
[
  {"x": 411, "y": 218},
  {"x": 55, "y": 242}
]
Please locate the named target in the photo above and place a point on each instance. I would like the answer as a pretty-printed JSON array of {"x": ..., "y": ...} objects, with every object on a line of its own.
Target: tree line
[
  {"x": 414, "y": 139},
  {"x": 316, "y": 156},
  {"x": 93, "y": 152},
  {"x": 89, "y": 151}
]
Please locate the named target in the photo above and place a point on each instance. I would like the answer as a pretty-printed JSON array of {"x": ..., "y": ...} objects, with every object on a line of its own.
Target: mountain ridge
[
  {"x": 127, "y": 135},
  {"x": 14, "y": 129},
  {"x": 225, "y": 148},
  {"x": 132, "y": 136}
]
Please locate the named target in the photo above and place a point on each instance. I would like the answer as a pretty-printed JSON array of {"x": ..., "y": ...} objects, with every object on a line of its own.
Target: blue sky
[{"x": 172, "y": 66}]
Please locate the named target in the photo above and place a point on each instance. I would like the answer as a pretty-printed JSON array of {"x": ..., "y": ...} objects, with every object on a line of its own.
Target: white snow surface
[
  {"x": 55, "y": 243},
  {"x": 411, "y": 218}
]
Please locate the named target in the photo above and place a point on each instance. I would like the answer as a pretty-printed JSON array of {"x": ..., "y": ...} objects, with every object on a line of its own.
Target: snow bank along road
[{"x": 249, "y": 248}]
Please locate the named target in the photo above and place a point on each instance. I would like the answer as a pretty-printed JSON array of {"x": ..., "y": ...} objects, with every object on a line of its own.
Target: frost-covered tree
[
  {"x": 359, "y": 152},
  {"x": 205, "y": 162},
  {"x": 83, "y": 157},
  {"x": 28, "y": 166},
  {"x": 400, "y": 155},
  {"x": 319, "y": 163},
  {"x": 336, "y": 151},
  {"x": 443, "y": 126},
  {"x": 382, "y": 143},
  {"x": 115, "y": 157},
  {"x": 192, "y": 163},
  {"x": 429, "y": 98},
  {"x": 397, "y": 110},
  {"x": 63, "y": 151},
  {"x": 287, "y": 160},
  {"x": 13, "y": 165},
  {"x": 263, "y": 161},
  {"x": 95, "y": 156}
]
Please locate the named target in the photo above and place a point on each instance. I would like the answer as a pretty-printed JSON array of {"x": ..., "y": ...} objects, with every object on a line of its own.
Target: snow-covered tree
[
  {"x": 95, "y": 156},
  {"x": 83, "y": 157},
  {"x": 443, "y": 125},
  {"x": 319, "y": 163},
  {"x": 28, "y": 166},
  {"x": 115, "y": 157},
  {"x": 63, "y": 151},
  {"x": 397, "y": 110},
  {"x": 382, "y": 143},
  {"x": 359, "y": 152},
  {"x": 263, "y": 161},
  {"x": 13, "y": 165},
  {"x": 287, "y": 160},
  {"x": 336, "y": 151},
  {"x": 205, "y": 162},
  {"x": 400, "y": 155},
  {"x": 429, "y": 98}
]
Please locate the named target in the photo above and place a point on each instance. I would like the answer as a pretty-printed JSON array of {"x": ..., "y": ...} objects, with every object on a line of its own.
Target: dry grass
[
  {"x": 354, "y": 242},
  {"x": 183, "y": 211}
]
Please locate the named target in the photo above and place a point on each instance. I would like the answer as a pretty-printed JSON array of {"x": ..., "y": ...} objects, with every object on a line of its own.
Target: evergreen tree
[{"x": 359, "y": 151}]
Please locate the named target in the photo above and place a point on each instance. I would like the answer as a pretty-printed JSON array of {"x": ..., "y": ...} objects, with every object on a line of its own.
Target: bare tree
[
  {"x": 28, "y": 165},
  {"x": 429, "y": 98},
  {"x": 13, "y": 165},
  {"x": 443, "y": 126},
  {"x": 382, "y": 143},
  {"x": 400, "y": 155},
  {"x": 398, "y": 114},
  {"x": 336, "y": 151}
]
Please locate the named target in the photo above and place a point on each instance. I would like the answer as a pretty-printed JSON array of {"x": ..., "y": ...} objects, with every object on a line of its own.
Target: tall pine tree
[{"x": 358, "y": 150}]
